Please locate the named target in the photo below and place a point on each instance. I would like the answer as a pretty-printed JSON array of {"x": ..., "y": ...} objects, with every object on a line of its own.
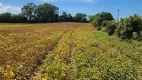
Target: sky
[{"x": 89, "y": 7}]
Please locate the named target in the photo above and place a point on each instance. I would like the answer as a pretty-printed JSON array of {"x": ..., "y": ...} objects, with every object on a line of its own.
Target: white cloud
[
  {"x": 12, "y": 9},
  {"x": 85, "y": 1}
]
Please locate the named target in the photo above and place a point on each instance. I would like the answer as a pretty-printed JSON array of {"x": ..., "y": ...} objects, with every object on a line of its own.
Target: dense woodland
[{"x": 43, "y": 13}]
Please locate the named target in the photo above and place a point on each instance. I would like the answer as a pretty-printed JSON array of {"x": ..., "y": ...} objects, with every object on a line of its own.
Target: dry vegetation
[{"x": 66, "y": 51}]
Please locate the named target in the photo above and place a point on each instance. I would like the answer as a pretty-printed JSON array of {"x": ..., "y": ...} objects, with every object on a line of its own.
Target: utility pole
[{"x": 118, "y": 14}]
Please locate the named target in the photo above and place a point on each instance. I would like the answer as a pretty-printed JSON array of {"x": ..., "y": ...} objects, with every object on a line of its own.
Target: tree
[
  {"x": 29, "y": 11},
  {"x": 47, "y": 13},
  {"x": 80, "y": 17},
  {"x": 5, "y": 17},
  {"x": 70, "y": 18},
  {"x": 21, "y": 18},
  {"x": 109, "y": 26},
  {"x": 64, "y": 17},
  {"x": 127, "y": 27},
  {"x": 14, "y": 18},
  {"x": 98, "y": 19}
]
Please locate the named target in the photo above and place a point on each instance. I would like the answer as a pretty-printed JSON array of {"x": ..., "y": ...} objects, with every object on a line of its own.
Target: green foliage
[
  {"x": 64, "y": 17},
  {"x": 5, "y": 17},
  {"x": 98, "y": 19},
  {"x": 29, "y": 10},
  {"x": 135, "y": 35},
  {"x": 140, "y": 36},
  {"x": 12, "y": 18},
  {"x": 43, "y": 13},
  {"x": 109, "y": 26},
  {"x": 105, "y": 58},
  {"x": 80, "y": 17},
  {"x": 70, "y": 18},
  {"x": 47, "y": 13},
  {"x": 103, "y": 29},
  {"x": 127, "y": 26},
  {"x": 140, "y": 33},
  {"x": 104, "y": 23}
]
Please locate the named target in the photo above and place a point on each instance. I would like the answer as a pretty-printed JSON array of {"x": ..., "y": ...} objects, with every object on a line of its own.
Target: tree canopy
[
  {"x": 43, "y": 13},
  {"x": 29, "y": 11},
  {"x": 98, "y": 19},
  {"x": 80, "y": 17}
]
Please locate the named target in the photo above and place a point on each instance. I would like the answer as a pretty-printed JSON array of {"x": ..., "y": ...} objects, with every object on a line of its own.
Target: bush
[
  {"x": 109, "y": 26},
  {"x": 127, "y": 26},
  {"x": 104, "y": 23},
  {"x": 98, "y": 19},
  {"x": 135, "y": 35},
  {"x": 140, "y": 33},
  {"x": 104, "y": 29}
]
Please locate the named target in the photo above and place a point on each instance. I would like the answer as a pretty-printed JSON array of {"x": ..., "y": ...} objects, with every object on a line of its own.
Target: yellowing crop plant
[{"x": 66, "y": 51}]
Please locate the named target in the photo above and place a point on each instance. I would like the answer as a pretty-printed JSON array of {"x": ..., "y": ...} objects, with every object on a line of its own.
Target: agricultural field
[{"x": 66, "y": 51}]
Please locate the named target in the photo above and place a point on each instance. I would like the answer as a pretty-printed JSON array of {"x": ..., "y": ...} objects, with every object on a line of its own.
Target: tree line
[
  {"x": 127, "y": 28},
  {"x": 42, "y": 13}
]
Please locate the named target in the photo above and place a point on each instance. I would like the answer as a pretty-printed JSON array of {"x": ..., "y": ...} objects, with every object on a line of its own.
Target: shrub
[
  {"x": 140, "y": 33},
  {"x": 135, "y": 35},
  {"x": 104, "y": 23},
  {"x": 104, "y": 29},
  {"x": 109, "y": 26},
  {"x": 127, "y": 26},
  {"x": 98, "y": 19}
]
